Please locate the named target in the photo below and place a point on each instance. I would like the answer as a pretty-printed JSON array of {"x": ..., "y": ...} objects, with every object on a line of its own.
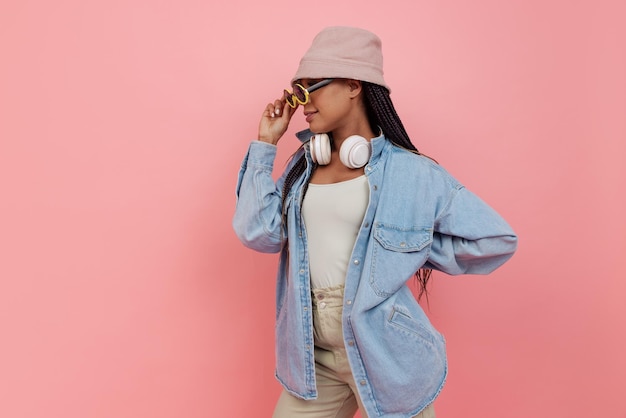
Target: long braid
[
  {"x": 381, "y": 113},
  {"x": 296, "y": 171}
]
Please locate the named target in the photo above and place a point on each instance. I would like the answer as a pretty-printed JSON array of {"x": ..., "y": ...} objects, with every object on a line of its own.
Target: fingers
[
  {"x": 268, "y": 112},
  {"x": 275, "y": 120},
  {"x": 278, "y": 109}
]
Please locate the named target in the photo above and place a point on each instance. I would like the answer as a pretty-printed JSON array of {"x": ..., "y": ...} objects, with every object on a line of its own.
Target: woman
[{"x": 356, "y": 214}]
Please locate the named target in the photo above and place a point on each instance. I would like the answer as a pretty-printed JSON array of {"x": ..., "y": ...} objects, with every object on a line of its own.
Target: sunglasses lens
[
  {"x": 300, "y": 93},
  {"x": 289, "y": 98}
]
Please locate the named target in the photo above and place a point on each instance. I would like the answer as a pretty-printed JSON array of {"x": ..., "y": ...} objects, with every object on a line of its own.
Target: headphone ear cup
[
  {"x": 355, "y": 151},
  {"x": 320, "y": 149}
]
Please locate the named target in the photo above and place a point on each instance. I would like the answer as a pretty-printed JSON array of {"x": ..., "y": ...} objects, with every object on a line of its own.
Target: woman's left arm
[{"x": 470, "y": 237}]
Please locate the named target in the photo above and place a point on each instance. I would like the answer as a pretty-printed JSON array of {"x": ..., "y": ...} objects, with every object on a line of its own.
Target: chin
[{"x": 317, "y": 129}]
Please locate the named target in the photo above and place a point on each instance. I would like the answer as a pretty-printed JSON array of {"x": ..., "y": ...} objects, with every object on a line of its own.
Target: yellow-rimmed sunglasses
[{"x": 300, "y": 95}]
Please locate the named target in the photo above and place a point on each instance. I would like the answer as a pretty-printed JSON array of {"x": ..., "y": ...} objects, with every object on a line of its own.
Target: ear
[{"x": 355, "y": 87}]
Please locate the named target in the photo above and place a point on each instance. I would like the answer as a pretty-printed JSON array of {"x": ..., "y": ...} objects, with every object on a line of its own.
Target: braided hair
[{"x": 381, "y": 115}]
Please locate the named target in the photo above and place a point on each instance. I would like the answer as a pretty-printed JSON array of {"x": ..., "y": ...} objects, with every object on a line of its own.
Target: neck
[{"x": 362, "y": 129}]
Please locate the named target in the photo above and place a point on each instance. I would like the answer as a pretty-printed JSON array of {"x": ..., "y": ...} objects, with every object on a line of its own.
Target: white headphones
[{"x": 355, "y": 151}]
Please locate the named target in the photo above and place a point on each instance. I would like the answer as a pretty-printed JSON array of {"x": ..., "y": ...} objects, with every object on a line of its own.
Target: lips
[{"x": 309, "y": 116}]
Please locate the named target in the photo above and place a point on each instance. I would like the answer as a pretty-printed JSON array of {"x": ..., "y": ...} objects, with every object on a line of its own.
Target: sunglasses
[{"x": 300, "y": 95}]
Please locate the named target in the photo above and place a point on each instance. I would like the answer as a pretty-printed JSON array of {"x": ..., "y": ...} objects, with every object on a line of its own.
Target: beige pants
[{"x": 337, "y": 393}]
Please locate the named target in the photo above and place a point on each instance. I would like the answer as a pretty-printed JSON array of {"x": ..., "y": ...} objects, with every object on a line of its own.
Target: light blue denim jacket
[{"x": 418, "y": 216}]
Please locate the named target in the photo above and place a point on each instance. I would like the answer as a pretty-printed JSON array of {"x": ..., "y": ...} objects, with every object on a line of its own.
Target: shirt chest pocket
[{"x": 397, "y": 253}]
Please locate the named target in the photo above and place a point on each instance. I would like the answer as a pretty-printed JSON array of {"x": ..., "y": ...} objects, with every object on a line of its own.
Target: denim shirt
[{"x": 418, "y": 216}]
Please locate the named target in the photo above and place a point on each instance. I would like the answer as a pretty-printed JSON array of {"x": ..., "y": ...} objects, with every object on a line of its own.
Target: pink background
[{"x": 123, "y": 290}]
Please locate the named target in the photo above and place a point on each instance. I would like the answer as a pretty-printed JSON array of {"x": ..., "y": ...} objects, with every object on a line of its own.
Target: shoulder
[{"x": 417, "y": 167}]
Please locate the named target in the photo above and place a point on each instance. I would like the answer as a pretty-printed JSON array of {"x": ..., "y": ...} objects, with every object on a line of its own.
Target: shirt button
[
  {"x": 322, "y": 305},
  {"x": 302, "y": 271},
  {"x": 363, "y": 382},
  {"x": 356, "y": 262},
  {"x": 375, "y": 187},
  {"x": 367, "y": 224},
  {"x": 348, "y": 302},
  {"x": 403, "y": 244},
  {"x": 351, "y": 343}
]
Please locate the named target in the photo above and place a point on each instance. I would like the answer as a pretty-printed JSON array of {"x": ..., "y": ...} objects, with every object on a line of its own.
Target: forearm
[
  {"x": 257, "y": 219},
  {"x": 470, "y": 237}
]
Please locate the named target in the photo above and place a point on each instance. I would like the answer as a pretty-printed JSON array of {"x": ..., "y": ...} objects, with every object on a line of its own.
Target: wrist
[{"x": 272, "y": 141}]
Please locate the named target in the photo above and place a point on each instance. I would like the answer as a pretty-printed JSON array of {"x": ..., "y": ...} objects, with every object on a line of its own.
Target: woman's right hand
[{"x": 275, "y": 121}]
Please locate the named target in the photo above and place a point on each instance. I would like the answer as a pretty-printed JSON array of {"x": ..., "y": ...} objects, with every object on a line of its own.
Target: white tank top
[{"x": 332, "y": 216}]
